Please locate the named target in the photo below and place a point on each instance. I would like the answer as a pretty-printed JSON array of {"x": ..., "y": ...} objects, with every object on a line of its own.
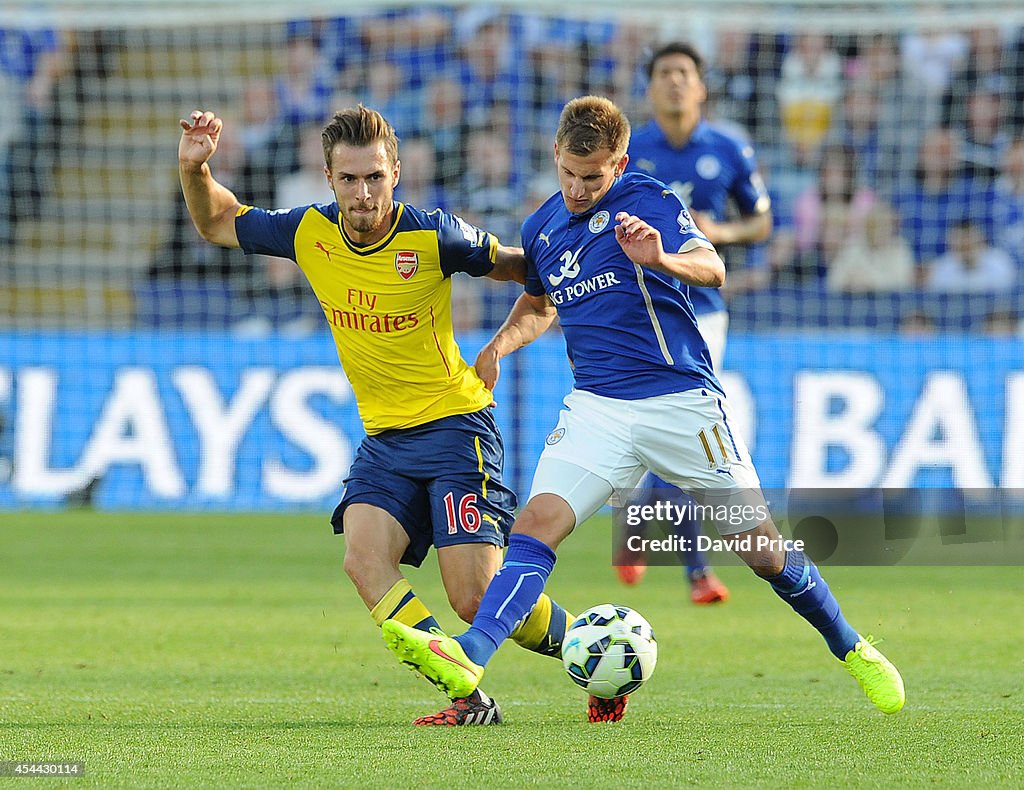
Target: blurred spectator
[
  {"x": 1002, "y": 323},
  {"x": 303, "y": 89},
  {"x": 340, "y": 41},
  {"x": 32, "y": 60},
  {"x": 444, "y": 123},
  {"x": 488, "y": 198},
  {"x": 859, "y": 126},
  {"x": 876, "y": 259},
  {"x": 539, "y": 188},
  {"x": 417, "y": 38},
  {"x": 387, "y": 91},
  {"x": 626, "y": 80},
  {"x": 984, "y": 69},
  {"x": 939, "y": 196},
  {"x": 970, "y": 265},
  {"x": 809, "y": 87},
  {"x": 985, "y": 138},
  {"x": 494, "y": 93},
  {"x": 888, "y": 138},
  {"x": 558, "y": 66},
  {"x": 918, "y": 324},
  {"x": 267, "y": 143},
  {"x": 1014, "y": 67},
  {"x": 468, "y": 297},
  {"x": 930, "y": 57},
  {"x": 790, "y": 172},
  {"x": 1009, "y": 203},
  {"x": 490, "y": 64},
  {"x": 418, "y": 182},
  {"x": 824, "y": 215},
  {"x": 734, "y": 81},
  {"x": 309, "y": 183}
]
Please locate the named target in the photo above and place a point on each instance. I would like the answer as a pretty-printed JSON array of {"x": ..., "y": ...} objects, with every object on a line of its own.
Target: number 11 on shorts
[
  {"x": 713, "y": 462},
  {"x": 467, "y": 515}
]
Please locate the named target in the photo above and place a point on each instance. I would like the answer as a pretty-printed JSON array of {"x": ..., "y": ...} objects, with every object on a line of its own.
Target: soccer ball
[{"x": 609, "y": 651}]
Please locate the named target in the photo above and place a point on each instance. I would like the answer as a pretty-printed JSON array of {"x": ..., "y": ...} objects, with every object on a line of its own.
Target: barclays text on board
[{"x": 213, "y": 421}]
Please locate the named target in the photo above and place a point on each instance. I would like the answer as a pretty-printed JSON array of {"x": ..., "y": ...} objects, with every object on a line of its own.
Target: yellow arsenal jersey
[{"x": 388, "y": 304}]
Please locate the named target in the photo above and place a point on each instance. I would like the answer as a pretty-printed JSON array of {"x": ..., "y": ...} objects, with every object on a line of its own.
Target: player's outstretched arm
[
  {"x": 509, "y": 264},
  {"x": 211, "y": 205},
  {"x": 642, "y": 243},
  {"x": 529, "y": 318}
]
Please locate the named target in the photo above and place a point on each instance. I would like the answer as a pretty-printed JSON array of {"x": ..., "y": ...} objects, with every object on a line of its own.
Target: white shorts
[
  {"x": 713, "y": 328},
  {"x": 604, "y": 445}
]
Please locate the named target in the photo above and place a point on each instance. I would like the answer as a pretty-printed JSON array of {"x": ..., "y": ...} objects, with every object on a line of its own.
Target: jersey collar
[{"x": 369, "y": 249}]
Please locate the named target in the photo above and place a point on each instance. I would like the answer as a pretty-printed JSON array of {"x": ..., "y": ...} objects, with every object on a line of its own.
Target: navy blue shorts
[{"x": 442, "y": 482}]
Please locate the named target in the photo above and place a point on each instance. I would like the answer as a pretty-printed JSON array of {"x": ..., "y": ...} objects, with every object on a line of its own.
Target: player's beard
[{"x": 365, "y": 222}]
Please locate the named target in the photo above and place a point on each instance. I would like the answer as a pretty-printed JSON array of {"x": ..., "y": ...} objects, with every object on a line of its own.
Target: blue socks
[
  {"x": 801, "y": 586},
  {"x": 692, "y": 558},
  {"x": 688, "y": 529},
  {"x": 510, "y": 597},
  {"x": 516, "y": 588}
]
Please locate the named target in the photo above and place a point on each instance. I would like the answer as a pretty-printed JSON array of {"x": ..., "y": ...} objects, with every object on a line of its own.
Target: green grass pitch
[{"x": 194, "y": 650}]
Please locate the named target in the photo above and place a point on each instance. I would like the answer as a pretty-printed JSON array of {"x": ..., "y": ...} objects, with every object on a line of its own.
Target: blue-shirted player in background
[
  {"x": 716, "y": 175},
  {"x": 606, "y": 255}
]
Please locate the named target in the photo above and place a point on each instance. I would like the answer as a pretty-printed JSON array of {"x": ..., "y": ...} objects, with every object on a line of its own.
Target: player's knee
[
  {"x": 363, "y": 567},
  {"x": 465, "y": 604},
  {"x": 766, "y": 564},
  {"x": 547, "y": 518},
  {"x": 352, "y": 568},
  {"x": 762, "y": 550}
]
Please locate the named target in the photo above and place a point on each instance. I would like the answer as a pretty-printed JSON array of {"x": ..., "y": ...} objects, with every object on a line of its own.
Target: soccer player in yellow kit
[{"x": 429, "y": 471}]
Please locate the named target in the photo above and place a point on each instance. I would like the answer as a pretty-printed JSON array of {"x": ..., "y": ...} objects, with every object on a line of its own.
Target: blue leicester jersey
[
  {"x": 630, "y": 331},
  {"x": 711, "y": 169}
]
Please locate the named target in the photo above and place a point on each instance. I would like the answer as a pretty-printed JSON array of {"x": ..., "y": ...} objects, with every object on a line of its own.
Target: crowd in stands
[{"x": 895, "y": 161}]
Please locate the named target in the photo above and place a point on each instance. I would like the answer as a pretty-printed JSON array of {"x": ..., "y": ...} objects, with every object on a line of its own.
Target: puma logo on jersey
[
  {"x": 320, "y": 246},
  {"x": 544, "y": 238}
]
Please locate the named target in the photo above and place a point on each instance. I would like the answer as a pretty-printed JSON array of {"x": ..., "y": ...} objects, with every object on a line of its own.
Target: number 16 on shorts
[{"x": 465, "y": 514}]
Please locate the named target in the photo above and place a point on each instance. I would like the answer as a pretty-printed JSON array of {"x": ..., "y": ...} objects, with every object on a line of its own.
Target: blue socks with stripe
[
  {"x": 688, "y": 528},
  {"x": 510, "y": 597},
  {"x": 517, "y": 586},
  {"x": 801, "y": 586}
]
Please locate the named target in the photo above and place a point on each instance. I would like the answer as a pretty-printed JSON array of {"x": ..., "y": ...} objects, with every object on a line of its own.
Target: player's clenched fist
[{"x": 199, "y": 137}]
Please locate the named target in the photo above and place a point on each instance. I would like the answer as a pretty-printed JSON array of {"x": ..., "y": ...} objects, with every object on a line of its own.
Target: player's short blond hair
[
  {"x": 359, "y": 126},
  {"x": 592, "y": 123}
]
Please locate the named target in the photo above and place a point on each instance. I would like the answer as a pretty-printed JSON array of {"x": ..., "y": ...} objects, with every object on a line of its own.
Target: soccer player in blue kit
[
  {"x": 606, "y": 255},
  {"x": 712, "y": 171}
]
